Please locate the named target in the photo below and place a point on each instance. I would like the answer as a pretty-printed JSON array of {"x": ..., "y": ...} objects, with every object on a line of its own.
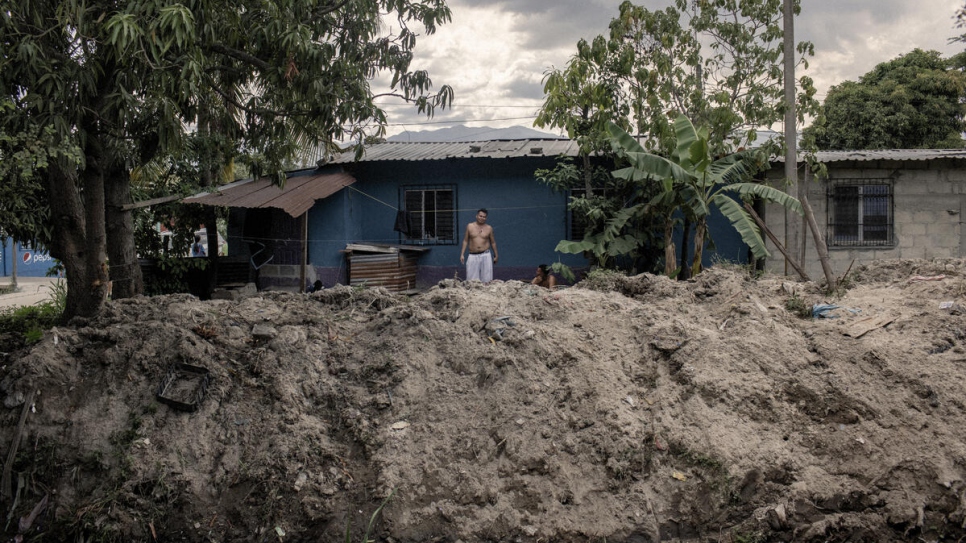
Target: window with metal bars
[
  {"x": 577, "y": 223},
  {"x": 432, "y": 215},
  {"x": 860, "y": 213}
]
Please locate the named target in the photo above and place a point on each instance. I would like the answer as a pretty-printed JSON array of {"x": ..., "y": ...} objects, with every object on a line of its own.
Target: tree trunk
[
  {"x": 13, "y": 264},
  {"x": 211, "y": 227},
  {"x": 700, "y": 228},
  {"x": 79, "y": 239},
  {"x": 126, "y": 279},
  {"x": 685, "y": 272},
  {"x": 670, "y": 256}
]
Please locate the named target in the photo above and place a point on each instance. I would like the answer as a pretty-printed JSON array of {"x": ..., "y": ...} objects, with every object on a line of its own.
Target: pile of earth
[{"x": 622, "y": 409}]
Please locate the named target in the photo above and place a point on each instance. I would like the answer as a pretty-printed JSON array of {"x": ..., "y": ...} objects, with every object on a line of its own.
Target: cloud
[{"x": 495, "y": 52}]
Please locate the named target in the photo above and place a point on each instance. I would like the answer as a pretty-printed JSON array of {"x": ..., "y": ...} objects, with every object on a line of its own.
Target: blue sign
[{"x": 30, "y": 262}]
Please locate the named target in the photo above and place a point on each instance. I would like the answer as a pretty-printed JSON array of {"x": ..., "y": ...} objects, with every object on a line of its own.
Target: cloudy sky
[{"x": 494, "y": 53}]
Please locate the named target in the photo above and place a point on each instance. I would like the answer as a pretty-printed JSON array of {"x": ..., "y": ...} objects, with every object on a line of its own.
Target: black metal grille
[
  {"x": 860, "y": 213},
  {"x": 578, "y": 222},
  {"x": 432, "y": 214}
]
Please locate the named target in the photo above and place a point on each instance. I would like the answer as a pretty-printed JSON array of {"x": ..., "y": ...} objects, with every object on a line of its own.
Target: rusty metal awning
[{"x": 297, "y": 196}]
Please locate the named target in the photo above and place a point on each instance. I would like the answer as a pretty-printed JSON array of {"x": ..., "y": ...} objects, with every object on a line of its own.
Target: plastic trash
[{"x": 822, "y": 311}]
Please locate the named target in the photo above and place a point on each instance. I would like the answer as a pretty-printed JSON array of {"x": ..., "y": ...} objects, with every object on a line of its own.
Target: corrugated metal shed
[
  {"x": 405, "y": 151},
  {"x": 898, "y": 155},
  {"x": 390, "y": 266},
  {"x": 297, "y": 197}
]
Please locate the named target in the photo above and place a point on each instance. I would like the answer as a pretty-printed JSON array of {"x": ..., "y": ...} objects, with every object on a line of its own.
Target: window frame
[
  {"x": 421, "y": 214},
  {"x": 857, "y": 230}
]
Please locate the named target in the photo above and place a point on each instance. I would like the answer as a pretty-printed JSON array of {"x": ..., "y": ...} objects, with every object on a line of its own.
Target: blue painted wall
[
  {"x": 728, "y": 245},
  {"x": 30, "y": 262},
  {"x": 528, "y": 218}
]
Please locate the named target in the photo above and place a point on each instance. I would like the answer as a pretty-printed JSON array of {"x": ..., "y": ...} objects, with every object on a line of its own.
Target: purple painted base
[{"x": 426, "y": 276}]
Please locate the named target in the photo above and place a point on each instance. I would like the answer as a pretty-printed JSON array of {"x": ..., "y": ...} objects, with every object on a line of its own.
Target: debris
[
  {"x": 679, "y": 476},
  {"x": 757, "y": 303},
  {"x": 917, "y": 278},
  {"x": 5, "y": 482},
  {"x": 496, "y": 327},
  {"x": 300, "y": 481},
  {"x": 184, "y": 387},
  {"x": 777, "y": 517},
  {"x": 26, "y": 522},
  {"x": 401, "y": 425},
  {"x": 865, "y": 325},
  {"x": 822, "y": 311},
  {"x": 953, "y": 307}
]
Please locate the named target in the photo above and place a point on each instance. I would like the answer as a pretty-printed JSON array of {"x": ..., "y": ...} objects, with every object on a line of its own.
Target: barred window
[
  {"x": 860, "y": 213},
  {"x": 432, "y": 215},
  {"x": 576, "y": 222}
]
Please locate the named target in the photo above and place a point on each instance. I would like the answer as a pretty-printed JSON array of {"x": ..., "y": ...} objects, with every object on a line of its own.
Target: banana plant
[{"x": 693, "y": 181}]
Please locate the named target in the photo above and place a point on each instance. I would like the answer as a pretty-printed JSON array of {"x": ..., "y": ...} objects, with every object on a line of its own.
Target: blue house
[{"x": 397, "y": 216}]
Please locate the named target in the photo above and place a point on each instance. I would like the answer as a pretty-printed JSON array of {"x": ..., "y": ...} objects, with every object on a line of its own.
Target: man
[{"x": 482, "y": 244}]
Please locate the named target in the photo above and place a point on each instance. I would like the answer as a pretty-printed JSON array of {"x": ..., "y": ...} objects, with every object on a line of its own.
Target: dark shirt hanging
[{"x": 403, "y": 223}]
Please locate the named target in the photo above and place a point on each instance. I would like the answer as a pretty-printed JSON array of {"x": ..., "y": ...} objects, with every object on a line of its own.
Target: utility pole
[{"x": 794, "y": 230}]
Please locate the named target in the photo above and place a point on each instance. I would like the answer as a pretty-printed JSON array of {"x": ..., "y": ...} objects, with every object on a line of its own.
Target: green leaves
[
  {"x": 123, "y": 31},
  {"x": 692, "y": 181},
  {"x": 913, "y": 101}
]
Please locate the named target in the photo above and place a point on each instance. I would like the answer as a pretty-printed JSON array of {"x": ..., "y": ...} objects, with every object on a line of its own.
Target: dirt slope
[{"x": 647, "y": 410}]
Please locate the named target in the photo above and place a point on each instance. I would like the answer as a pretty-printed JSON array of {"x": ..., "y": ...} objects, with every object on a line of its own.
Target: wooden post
[
  {"x": 794, "y": 233},
  {"x": 820, "y": 245},
  {"x": 305, "y": 250},
  {"x": 764, "y": 228}
]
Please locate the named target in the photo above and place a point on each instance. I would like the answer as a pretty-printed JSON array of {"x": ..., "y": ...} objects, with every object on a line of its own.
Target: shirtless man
[{"x": 481, "y": 241}]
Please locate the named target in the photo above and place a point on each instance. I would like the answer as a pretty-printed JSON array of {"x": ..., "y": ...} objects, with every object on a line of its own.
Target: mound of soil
[{"x": 637, "y": 409}]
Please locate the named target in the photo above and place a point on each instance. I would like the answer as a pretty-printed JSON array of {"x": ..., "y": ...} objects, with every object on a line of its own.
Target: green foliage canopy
[
  {"x": 718, "y": 63},
  {"x": 126, "y": 82},
  {"x": 911, "y": 102},
  {"x": 694, "y": 178}
]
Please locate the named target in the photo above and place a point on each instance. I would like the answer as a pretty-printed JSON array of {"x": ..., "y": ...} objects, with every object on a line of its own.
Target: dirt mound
[{"x": 653, "y": 409}]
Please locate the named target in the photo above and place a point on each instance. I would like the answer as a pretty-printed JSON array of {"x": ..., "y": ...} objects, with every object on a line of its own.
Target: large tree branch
[
  {"x": 240, "y": 55},
  {"x": 322, "y": 11}
]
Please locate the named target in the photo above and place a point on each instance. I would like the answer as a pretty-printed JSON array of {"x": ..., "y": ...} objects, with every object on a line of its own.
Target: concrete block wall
[{"x": 929, "y": 206}]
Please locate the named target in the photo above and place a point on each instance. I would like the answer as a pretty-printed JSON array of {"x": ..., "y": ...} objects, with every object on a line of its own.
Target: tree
[
  {"x": 127, "y": 82},
  {"x": 911, "y": 102},
  {"x": 717, "y": 62},
  {"x": 693, "y": 172}
]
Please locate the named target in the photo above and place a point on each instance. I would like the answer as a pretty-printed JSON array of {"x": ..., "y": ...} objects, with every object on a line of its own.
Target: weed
[
  {"x": 749, "y": 269},
  {"x": 797, "y": 306},
  {"x": 751, "y": 537},
  {"x": 25, "y": 325},
  {"x": 372, "y": 522},
  {"x": 603, "y": 279},
  {"x": 33, "y": 335}
]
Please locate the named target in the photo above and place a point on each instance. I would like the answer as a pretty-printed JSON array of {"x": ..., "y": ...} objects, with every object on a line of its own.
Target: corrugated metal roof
[
  {"x": 885, "y": 154},
  {"x": 406, "y": 151},
  {"x": 414, "y": 151},
  {"x": 297, "y": 197}
]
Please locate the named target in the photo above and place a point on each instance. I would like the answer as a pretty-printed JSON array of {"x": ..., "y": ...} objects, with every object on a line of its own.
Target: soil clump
[{"x": 631, "y": 409}]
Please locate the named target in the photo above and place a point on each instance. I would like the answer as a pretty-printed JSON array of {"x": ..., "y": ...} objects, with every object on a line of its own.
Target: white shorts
[{"x": 479, "y": 266}]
